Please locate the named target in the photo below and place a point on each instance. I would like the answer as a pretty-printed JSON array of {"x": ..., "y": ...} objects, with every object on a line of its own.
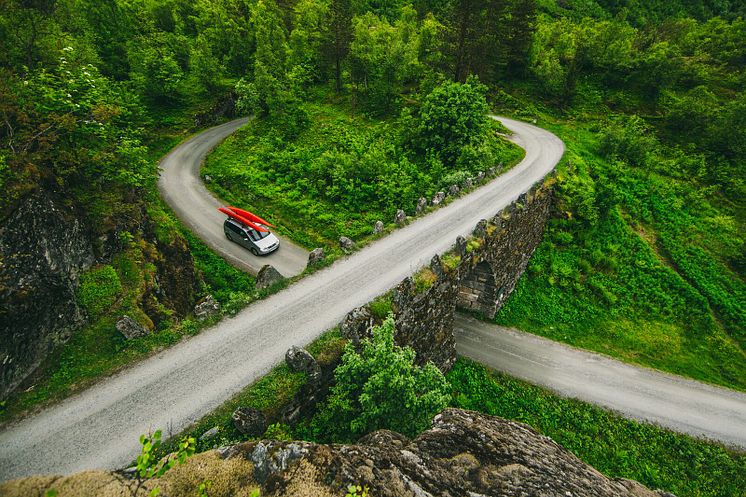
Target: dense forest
[
  {"x": 362, "y": 106},
  {"x": 351, "y": 97}
]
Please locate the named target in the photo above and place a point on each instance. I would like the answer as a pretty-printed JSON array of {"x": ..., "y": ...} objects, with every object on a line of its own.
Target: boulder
[
  {"x": 346, "y": 244},
  {"x": 208, "y": 178},
  {"x": 207, "y": 307},
  {"x": 438, "y": 198},
  {"x": 453, "y": 190},
  {"x": 378, "y": 227},
  {"x": 468, "y": 183},
  {"x": 301, "y": 361},
  {"x": 209, "y": 434},
  {"x": 491, "y": 172},
  {"x": 480, "y": 177},
  {"x": 267, "y": 277},
  {"x": 249, "y": 421},
  {"x": 316, "y": 256},
  {"x": 401, "y": 217},
  {"x": 421, "y": 205},
  {"x": 130, "y": 328},
  {"x": 480, "y": 230},
  {"x": 357, "y": 324}
]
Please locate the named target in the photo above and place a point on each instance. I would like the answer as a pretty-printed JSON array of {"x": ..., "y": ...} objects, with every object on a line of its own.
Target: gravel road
[
  {"x": 99, "y": 427},
  {"x": 182, "y": 188},
  {"x": 677, "y": 403}
]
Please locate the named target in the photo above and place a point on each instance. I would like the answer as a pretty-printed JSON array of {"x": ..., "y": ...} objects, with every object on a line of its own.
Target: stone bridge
[{"x": 477, "y": 276}]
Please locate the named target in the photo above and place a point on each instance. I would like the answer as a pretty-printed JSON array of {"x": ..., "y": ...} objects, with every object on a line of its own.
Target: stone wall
[{"x": 487, "y": 268}]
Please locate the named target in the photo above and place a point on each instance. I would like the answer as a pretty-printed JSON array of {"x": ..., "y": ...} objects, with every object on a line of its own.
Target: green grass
[
  {"x": 340, "y": 175},
  {"x": 638, "y": 263},
  {"x": 615, "y": 446}
]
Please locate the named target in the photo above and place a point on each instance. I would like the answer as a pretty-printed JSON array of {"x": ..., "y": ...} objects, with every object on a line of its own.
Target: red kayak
[
  {"x": 251, "y": 217},
  {"x": 241, "y": 219}
]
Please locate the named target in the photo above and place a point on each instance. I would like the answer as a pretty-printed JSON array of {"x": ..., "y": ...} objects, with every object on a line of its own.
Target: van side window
[
  {"x": 234, "y": 228},
  {"x": 254, "y": 235}
]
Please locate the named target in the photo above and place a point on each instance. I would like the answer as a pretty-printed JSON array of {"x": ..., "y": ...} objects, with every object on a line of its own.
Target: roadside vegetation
[
  {"x": 344, "y": 170},
  {"x": 363, "y": 400}
]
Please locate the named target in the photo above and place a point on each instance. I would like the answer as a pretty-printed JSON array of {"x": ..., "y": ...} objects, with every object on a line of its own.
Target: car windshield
[{"x": 257, "y": 235}]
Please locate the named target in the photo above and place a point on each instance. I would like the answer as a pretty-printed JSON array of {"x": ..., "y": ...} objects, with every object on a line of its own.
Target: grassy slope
[
  {"x": 649, "y": 281},
  {"x": 615, "y": 446},
  {"x": 296, "y": 183}
]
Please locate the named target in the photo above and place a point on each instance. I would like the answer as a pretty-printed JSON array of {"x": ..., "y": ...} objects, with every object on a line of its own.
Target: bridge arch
[{"x": 478, "y": 291}]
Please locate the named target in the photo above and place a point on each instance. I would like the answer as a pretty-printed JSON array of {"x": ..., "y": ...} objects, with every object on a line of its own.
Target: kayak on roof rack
[{"x": 249, "y": 230}]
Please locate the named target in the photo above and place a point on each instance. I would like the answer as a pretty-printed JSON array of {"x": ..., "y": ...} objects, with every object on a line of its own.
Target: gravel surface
[{"x": 677, "y": 403}]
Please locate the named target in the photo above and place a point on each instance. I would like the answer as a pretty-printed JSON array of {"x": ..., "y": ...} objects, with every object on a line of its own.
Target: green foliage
[
  {"x": 383, "y": 58},
  {"x": 339, "y": 176},
  {"x": 149, "y": 465},
  {"x": 380, "y": 307},
  {"x": 453, "y": 122},
  {"x": 99, "y": 289},
  {"x": 424, "y": 279},
  {"x": 278, "y": 431},
  {"x": 203, "y": 488},
  {"x": 616, "y": 446},
  {"x": 380, "y": 387},
  {"x": 357, "y": 491},
  {"x": 639, "y": 262}
]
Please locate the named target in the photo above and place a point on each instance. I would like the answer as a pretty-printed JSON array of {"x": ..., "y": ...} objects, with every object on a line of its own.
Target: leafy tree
[
  {"x": 340, "y": 36},
  {"x": 306, "y": 41},
  {"x": 453, "y": 118},
  {"x": 383, "y": 57},
  {"x": 381, "y": 387},
  {"x": 554, "y": 57}
]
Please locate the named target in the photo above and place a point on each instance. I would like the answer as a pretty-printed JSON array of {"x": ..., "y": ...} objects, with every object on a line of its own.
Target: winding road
[
  {"x": 99, "y": 427},
  {"x": 182, "y": 188}
]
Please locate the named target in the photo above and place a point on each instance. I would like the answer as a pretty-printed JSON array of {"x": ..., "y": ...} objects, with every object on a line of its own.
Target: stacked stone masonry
[{"x": 490, "y": 264}]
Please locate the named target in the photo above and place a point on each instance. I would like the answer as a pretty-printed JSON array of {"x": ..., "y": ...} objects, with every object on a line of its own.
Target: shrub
[
  {"x": 99, "y": 289},
  {"x": 380, "y": 387},
  {"x": 453, "y": 119}
]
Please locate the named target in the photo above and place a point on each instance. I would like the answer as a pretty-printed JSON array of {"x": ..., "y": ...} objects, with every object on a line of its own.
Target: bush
[
  {"x": 380, "y": 387},
  {"x": 99, "y": 289},
  {"x": 453, "y": 119}
]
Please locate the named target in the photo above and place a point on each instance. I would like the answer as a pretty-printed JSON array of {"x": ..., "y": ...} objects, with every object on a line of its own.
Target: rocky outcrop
[
  {"x": 268, "y": 276},
  {"x": 316, "y": 256},
  {"x": 249, "y": 421},
  {"x": 223, "y": 108},
  {"x": 130, "y": 328},
  {"x": 44, "y": 248},
  {"x": 463, "y": 454},
  {"x": 207, "y": 307},
  {"x": 301, "y": 361}
]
